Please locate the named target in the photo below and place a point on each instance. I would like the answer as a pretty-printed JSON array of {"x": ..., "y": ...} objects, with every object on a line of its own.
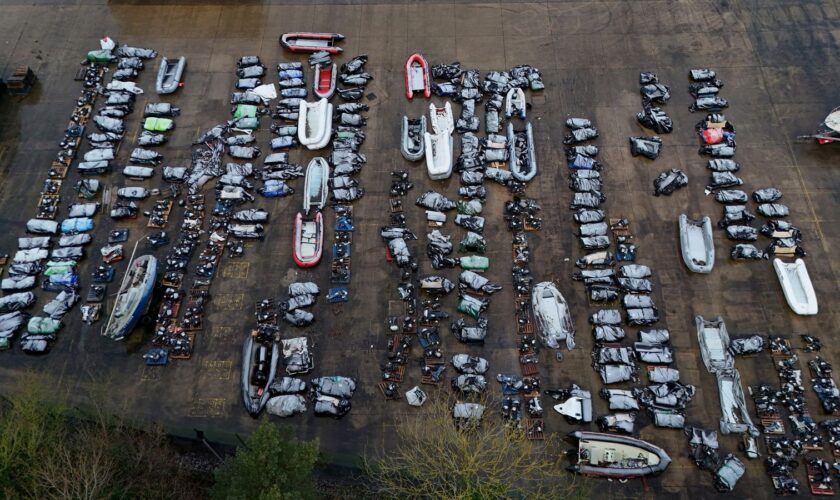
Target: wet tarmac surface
[{"x": 774, "y": 59}]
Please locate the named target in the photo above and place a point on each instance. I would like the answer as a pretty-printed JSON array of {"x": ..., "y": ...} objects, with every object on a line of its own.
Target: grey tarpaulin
[
  {"x": 662, "y": 375},
  {"x": 287, "y": 385},
  {"x": 286, "y": 405},
  {"x": 337, "y": 386}
]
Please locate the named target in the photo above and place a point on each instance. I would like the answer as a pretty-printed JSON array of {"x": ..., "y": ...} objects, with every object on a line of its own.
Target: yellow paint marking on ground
[
  {"x": 217, "y": 369},
  {"x": 207, "y": 407},
  {"x": 229, "y": 301},
  {"x": 236, "y": 270}
]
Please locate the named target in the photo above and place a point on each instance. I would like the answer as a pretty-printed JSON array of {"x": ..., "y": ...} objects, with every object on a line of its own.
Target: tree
[
  {"x": 431, "y": 458},
  {"x": 50, "y": 451},
  {"x": 272, "y": 465}
]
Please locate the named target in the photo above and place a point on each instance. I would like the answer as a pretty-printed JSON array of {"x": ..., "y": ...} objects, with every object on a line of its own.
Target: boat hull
[
  {"x": 315, "y": 186},
  {"x": 417, "y": 68},
  {"x": 303, "y": 41},
  {"x": 315, "y": 124},
  {"x": 442, "y": 118},
  {"x": 416, "y": 153},
  {"x": 553, "y": 317},
  {"x": 615, "y": 439},
  {"x": 122, "y": 326},
  {"x": 324, "y": 84},
  {"x": 522, "y": 171},
  {"x": 797, "y": 287},
  {"x": 169, "y": 75},
  {"x": 308, "y": 241},
  {"x": 438, "y": 155},
  {"x": 253, "y": 400},
  {"x": 697, "y": 244},
  {"x": 515, "y": 103}
]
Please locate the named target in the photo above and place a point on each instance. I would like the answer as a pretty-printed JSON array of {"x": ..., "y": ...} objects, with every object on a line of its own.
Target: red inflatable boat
[
  {"x": 308, "y": 240},
  {"x": 417, "y": 76}
]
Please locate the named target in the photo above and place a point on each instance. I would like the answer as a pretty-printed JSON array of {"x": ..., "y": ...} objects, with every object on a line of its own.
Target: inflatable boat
[
  {"x": 315, "y": 187},
  {"x": 308, "y": 240},
  {"x": 697, "y": 244},
  {"x": 314, "y": 123},
  {"x": 442, "y": 120},
  {"x": 324, "y": 84},
  {"x": 553, "y": 317},
  {"x": 613, "y": 455},
  {"x": 438, "y": 155},
  {"x": 259, "y": 367},
  {"x": 796, "y": 284},
  {"x": 311, "y": 42},
  {"x": 169, "y": 75},
  {"x": 515, "y": 103},
  {"x": 133, "y": 298},
  {"x": 413, "y": 138},
  {"x": 523, "y": 160},
  {"x": 417, "y": 76}
]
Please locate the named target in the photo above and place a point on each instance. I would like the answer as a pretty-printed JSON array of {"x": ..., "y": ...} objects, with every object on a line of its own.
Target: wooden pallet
[
  {"x": 812, "y": 474},
  {"x": 394, "y": 397},
  {"x": 535, "y": 429},
  {"x": 428, "y": 380},
  {"x": 167, "y": 210},
  {"x": 58, "y": 170},
  {"x": 173, "y": 284},
  {"x": 780, "y": 354},
  {"x": 397, "y": 376},
  {"x": 396, "y": 205},
  {"x": 767, "y": 421},
  {"x": 191, "y": 335},
  {"x": 529, "y": 369}
]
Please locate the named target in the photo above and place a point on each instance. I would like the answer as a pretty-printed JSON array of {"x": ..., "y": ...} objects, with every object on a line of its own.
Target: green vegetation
[
  {"x": 272, "y": 465},
  {"x": 48, "y": 450},
  {"x": 431, "y": 458}
]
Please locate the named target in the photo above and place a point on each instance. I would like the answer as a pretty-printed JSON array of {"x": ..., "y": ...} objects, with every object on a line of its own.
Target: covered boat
[
  {"x": 132, "y": 298},
  {"x": 308, "y": 240},
  {"x": 324, "y": 84},
  {"x": 169, "y": 75},
  {"x": 714, "y": 344},
  {"x": 796, "y": 284},
  {"x": 417, "y": 76},
  {"x": 438, "y": 150},
  {"x": 442, "y": 120},
  {"x": 413, "y": 138},
  {"x": 614, "y": 455},
  {"x": 515, "y": 103},
  {"x": 523, "y": 159},
  {"x": 259, "y": 366},
  {"x": 303, "y": 41},
  {"x": 696, "y": 243},
  {"x": 553, "y": 317},
  {"x": 315, "y": 186},
  {"x": 315, "y": 123}
]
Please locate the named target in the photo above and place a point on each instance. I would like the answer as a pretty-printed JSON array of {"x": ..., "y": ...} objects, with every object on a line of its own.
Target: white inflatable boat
[
  {"x": 697, "y": 244},
  {"x": 315, "y": 187},
  {"x": 315, "y": 123},
  {"x": 441, "y": 118},
  {"x": 438, "y": 155},
  {"x": 515, "y": 103},
  {"x": 796, "y": 284},
  {"x": 413, "y": 138}
]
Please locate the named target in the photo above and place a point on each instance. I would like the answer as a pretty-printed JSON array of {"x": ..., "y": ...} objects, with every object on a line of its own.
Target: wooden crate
[
  {"x": 191, "y": 335},
  {"x": 535, "y": 429},
  {"x": 394, "y": 397}
]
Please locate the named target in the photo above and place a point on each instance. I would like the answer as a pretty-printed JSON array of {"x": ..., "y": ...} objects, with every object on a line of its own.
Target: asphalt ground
[{"x": 774, "y": 57}]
